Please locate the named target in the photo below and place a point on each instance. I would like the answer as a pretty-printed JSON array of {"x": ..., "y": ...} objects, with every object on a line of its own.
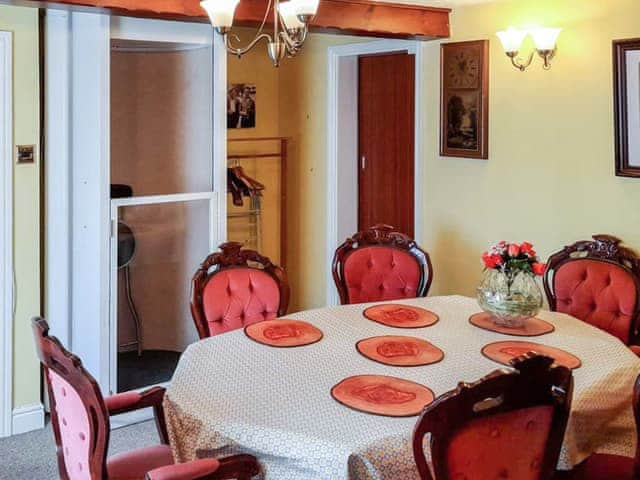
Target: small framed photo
[
  {"x": 626, "y": 85},
  {"x": 241, "y": 105},
  {"x": 464, "y": 99}
]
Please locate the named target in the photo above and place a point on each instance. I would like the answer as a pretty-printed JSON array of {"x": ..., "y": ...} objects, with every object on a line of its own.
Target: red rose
[
  {"x": 539, "y": 268},
  {"x": 513, "y": 250},
  {"x": 497, "y": 259},
  {"x": 492, "y": 261},
  {"x": 527, "y": 249}
]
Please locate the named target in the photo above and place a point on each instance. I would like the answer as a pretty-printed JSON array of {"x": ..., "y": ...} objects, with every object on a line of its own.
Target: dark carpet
[{"x": 152, "y": 368}]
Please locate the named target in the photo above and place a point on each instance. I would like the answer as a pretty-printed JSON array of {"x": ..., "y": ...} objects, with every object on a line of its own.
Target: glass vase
[{"x": 511, "y": 298}]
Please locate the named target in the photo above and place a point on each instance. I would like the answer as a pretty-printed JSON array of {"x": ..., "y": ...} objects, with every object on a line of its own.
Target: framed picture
[
  {"x": 241, "y": 105},
  {"x": 626, "y": 94},
  {"x": 464, "y": 99}
]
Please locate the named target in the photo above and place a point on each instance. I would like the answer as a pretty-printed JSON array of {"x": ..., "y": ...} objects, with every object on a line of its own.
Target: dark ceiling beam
[{"x": 355, "y": 17}]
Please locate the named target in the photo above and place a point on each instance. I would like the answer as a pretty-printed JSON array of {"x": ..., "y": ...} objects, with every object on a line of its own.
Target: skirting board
[{"x": 27, "y": 418}]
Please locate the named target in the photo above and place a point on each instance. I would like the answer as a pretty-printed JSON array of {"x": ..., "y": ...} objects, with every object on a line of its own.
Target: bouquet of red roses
[{"x": 512, "y": 258}]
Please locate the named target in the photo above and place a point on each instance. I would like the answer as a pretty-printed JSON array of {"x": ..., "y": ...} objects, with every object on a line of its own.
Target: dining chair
[
  {"x": 598, "y": 282},
  {"x": 510, "y": 424},
  {"x": 235, "y": 287},
  {"x": 80, "y": 420},
  {"x": 601, "y": 466},
  {"x": 381, "y": 264}
]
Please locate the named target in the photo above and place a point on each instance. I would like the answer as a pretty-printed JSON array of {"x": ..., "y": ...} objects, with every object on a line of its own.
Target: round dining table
[{"x": 231, "y": 394}]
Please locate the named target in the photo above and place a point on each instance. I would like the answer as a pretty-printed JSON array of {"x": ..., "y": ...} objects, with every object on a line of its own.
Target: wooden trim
[
  {"x": 353, "y": 17},
  {"x": 620, "y": 49}
]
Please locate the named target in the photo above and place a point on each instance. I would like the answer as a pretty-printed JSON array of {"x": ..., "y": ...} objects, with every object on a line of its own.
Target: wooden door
[{"x": 386, "y": 141}]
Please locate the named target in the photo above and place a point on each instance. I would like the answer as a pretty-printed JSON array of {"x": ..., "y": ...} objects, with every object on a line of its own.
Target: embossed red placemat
[
  {"x": 400, "y": 351},
  {"x": 382, "y": 395},
  {"x": 533, "y": 327},
  {"x": 503, "y": 352},
  {"x": 401, "y": 316},
  {"x": 283, "y": 333}
]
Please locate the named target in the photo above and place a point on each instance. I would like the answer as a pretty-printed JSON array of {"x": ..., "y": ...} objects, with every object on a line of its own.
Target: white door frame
[
  {"x": 6, "y": 234},
  {"x": 336, "y": 212}
]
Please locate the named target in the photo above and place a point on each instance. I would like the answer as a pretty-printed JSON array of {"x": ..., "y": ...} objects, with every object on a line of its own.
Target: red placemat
[
  {"x": 400, "y": 351},
  {"x": 382, "y": 395},
  {"x": 504, "y": 352},
  {"x": 401, "y": 316},
  {"x": 533, "y": 327},
  {"x": 283, "y": 333}
]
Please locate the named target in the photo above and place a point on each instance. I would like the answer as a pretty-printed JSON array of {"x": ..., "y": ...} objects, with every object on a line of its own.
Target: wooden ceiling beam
[{"x": 354, "y": 17}]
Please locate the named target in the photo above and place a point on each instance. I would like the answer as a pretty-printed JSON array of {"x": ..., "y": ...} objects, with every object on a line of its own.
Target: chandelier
[{"x": 290, "y": 26}]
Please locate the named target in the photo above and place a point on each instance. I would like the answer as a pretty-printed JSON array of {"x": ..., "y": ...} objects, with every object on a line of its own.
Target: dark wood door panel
[{"x": 386, "y": 141}]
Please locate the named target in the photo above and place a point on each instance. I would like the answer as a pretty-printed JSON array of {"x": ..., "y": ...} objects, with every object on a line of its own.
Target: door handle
[{"x": 363, "y": 162}]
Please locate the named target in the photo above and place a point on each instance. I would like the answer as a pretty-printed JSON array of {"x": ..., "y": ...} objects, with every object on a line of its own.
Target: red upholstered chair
[
  {"x": 236, "y": 287},
  {"x": 613, "y": 467},
  {"x": 380, "y": 264},
  {"x": 508, "y": 425},
  {"x": 599, "y": 282},
  {"x": 80, "y": 419}
]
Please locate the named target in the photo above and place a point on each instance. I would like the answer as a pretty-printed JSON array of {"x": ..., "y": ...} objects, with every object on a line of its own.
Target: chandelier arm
[
  {"x": 519, "y": 64},
  {"x": 241, "y": 51}
]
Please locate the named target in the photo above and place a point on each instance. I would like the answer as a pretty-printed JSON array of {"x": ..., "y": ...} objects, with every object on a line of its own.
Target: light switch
[{"x": 25, "y": 154}]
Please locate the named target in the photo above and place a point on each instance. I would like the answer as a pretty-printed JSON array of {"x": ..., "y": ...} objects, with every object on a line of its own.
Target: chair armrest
[
  {"x": 241, "y": 467},
  {"x": 635, "y": 349},
  {"x": 131, "y": 401}
]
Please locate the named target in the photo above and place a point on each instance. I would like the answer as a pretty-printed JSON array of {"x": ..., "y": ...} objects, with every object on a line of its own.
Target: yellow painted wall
[
  {"x": 23, "y": 22},
  {"x": 550, "y": 175}
]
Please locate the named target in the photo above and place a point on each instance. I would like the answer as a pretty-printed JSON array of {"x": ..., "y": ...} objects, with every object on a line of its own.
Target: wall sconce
[{"x": 543, "y": 38}]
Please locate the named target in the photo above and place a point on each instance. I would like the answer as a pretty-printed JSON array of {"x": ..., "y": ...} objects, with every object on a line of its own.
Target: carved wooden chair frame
[
  {"x": 603, "y": 248},
  {"x": 534, "y": 382},
  {"x": 231, "y": 256},
  {"x": 382, "y": 236}
]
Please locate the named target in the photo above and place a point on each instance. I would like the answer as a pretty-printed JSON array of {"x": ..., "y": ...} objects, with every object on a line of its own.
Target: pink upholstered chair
[
  {"x": 599, "y": 282},
  {"x": 508, "y": 425},
  {"x": 381, "y": 264},
  {"x": 236, "y": 287},
  {"x": 613, "y": 467},
  {"x": 80, "y": 420}
]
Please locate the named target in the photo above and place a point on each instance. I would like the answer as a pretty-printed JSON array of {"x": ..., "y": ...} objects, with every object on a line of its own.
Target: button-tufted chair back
[
  {"x": 598, "y": 282},
  {"x": 236, "y": 287},
  {"x": 508, "y": 425},
  {"x": 78, "y": 414},
  {"x": 380, "y": 264}
]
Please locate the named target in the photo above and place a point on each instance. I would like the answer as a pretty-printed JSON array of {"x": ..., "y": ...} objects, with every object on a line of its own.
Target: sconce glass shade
[
  {"x": 289, "y": 14},
  {"x": 545, "y": 38},
  {"x": 220, "y": 11},
  {"x": 511, "y": 39},
  {"x": 306, "y": 7}
]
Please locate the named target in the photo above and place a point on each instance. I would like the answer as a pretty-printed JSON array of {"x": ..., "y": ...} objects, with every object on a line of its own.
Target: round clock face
[{"x": 463, "y": 70}]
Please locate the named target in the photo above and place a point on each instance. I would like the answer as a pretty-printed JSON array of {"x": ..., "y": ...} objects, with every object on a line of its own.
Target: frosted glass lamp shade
[
  {"x": 289, "y": 14},
  {"x": 545, "y": 38},
  {"x": 306, "y": 7},
  {"x": 220, "y": 11},
  {"x": 511, "y": 39}
]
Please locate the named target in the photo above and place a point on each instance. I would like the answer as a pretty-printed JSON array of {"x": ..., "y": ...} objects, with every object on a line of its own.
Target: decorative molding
[
  {"x": 28, "y": 418},
  {"x": 353, "y": 17},
  {"x": 6, "y": 234},
  {"x": 334, "y": 54}
]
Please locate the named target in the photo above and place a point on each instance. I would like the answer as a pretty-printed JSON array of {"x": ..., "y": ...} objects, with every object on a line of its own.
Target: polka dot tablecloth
[{"x": 230, "y": 394}]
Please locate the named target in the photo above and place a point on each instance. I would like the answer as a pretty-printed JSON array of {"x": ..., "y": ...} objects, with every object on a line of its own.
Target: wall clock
[{"x": 464, "y": 99}]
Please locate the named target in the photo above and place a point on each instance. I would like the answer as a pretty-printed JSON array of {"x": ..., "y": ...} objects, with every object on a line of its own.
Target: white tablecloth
[{"x": 231, "y": 394}]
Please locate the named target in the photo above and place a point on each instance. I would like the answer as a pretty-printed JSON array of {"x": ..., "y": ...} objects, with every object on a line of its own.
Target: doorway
[
  {"x": 345, "y": 170},
  {"x": 386, "y": 105}
]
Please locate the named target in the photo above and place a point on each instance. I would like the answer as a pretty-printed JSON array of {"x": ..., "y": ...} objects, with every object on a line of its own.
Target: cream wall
[
  {"x": 23, "y": 22},
  {"x": 550, "y": 174}
]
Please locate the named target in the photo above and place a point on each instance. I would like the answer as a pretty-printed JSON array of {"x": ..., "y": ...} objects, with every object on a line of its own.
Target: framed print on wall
[
  {"x": 626, "y": 95},
  {"x": 464, "y": 99}
]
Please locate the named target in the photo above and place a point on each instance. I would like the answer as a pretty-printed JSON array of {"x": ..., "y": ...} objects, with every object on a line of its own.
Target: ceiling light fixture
[{"x": 290, "y": 26}]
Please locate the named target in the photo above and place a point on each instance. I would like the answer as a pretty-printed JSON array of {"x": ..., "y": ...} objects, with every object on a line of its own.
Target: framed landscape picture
[
  {"x": 626, "y": 85},
  {"x": 464, "y": 99}
]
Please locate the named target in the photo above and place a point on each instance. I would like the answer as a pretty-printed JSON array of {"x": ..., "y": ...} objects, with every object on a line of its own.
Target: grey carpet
[{"x": 32, "y": 456}]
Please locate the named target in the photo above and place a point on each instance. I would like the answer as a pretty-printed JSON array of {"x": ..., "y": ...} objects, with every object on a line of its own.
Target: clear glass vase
[{"x": 511, "y": 297}]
